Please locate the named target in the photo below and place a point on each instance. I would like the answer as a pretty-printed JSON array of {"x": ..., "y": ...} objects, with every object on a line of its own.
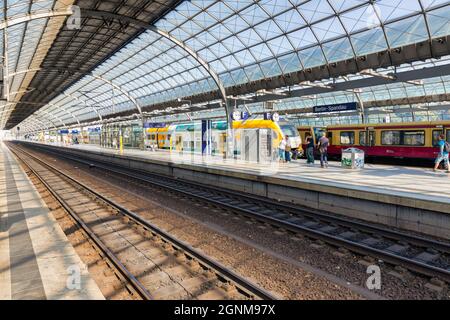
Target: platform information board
[{"x": 352, "y": 106}]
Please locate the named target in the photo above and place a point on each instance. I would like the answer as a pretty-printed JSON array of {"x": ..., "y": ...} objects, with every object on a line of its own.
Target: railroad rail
[
  {"x": 420, "y": 255},
  {"x": 154, "y": 263}
]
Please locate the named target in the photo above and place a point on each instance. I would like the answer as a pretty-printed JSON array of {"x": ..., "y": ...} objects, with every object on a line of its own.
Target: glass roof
[
  {"x": 26, "y": 43},
  {"x": 393, "y": 91},
  {"x": 250, "y": 40}
]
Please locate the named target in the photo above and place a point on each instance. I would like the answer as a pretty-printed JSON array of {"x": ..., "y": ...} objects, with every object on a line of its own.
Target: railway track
[
  {"x": 420, "y": 255},
  {"x": 152, "y": 263}
]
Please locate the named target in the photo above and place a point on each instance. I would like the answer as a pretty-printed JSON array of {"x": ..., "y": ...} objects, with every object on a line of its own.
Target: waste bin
[{"x": 353, "y": 158}]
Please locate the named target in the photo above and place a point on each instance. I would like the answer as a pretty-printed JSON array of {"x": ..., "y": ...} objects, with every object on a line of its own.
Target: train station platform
[
  {"x": 409, "y": 198},
  {"x": 37, "y": 262}
]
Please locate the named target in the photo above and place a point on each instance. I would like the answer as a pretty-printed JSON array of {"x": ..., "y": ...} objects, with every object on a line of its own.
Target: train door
[
  {"x": 318, "y": 132},
  {"x": 447, "y": 134},
  {"x": 367, "y": 138},
  {"x": 370, "y": 142},
  {"x": 372, "y": 138},
  {"x": 223, "y": 143},
  {"x": 179, "y": 143},
  {"x": 435, "y": 136}
]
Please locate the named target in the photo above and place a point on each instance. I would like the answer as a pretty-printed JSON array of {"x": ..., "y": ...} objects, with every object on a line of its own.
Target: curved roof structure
[{"x": 142, "y": 57}]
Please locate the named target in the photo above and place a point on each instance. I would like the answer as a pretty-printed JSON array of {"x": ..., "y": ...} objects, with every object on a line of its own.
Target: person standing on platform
[
  {"x": 287, "y": 153},
  {"x": 309, "y": 150},
  {"x": 282, "y": 150},
  {"x": 323, "y": 149},
  {"x": 444, "y": 149}
]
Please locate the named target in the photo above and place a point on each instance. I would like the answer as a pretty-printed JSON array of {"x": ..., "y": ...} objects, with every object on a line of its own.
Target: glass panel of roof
[
  {"x": 406, "y": 31},
  {"x": 369, "y": 41},
  {"x": 394, "y": 9},
  {"x": 316, "y": 10},
  {"x": 439, "y": 21},
  {"x": 289, "y": 63},
  {"x": 338, "y": 50}
]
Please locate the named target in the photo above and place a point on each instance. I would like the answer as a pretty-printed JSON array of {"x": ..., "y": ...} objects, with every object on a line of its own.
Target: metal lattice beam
[
  {"x": 71, "y": 96},
  {"x": 34, "y": 16}
]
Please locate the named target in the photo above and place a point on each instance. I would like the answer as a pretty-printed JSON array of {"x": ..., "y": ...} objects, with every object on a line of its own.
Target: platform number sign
[{"x": 275, "y": 117}]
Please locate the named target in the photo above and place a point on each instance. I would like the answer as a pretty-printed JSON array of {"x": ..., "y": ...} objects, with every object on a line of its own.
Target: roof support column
[
  {"x": 361, "y": 107},
  {"x": 54, "y": 117},
  {"x": 71, "y": 96},
  {"x": 124, "y": 92},
  {"x": 129, "y": 96},
  {"x": 71, "y": 114},
  {"x": 42, "y": 124}
]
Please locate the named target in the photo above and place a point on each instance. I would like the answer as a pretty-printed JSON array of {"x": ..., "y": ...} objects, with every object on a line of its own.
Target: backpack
[{"x": 447, "y": 147}]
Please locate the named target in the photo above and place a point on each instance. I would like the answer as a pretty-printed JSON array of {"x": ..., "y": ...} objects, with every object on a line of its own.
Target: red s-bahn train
[{"x": 412, "y": 140}]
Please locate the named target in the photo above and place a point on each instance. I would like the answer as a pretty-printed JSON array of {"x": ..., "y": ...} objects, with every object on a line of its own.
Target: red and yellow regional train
[{"x": 413, "y": 140}]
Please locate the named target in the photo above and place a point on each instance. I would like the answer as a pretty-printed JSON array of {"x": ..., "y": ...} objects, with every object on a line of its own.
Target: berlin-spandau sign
[{"x": 351, "y": 106}]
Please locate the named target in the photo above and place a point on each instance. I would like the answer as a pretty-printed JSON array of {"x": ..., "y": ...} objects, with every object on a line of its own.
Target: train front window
[{"x": 348, "y": 137}]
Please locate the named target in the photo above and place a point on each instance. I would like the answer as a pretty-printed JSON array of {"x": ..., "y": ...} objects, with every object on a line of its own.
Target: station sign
[
  {"x": 245, "y": 115},
  {"x": 275, "y": 117},
  {"x": 237, "y": 115},
  {"x": 156, "y": 125},
  {"x": 351, "y": 106},
  {"x": 93, "y": 130},
  {"x": 75, "y": 132},
  {"x": 63, "y": 131},
  {"x": 219, "y": 125}
]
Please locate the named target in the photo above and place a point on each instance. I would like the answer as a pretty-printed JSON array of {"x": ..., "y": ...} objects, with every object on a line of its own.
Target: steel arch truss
[
  {"x": 244, "y": 46},
  {"x": 176, "y": 42}
]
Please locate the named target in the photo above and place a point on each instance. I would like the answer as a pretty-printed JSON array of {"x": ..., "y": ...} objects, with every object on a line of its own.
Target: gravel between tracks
[{"x": 292, "y": 267}]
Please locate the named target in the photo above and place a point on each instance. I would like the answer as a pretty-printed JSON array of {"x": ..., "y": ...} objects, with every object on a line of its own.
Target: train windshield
[{"x": 289, "y": 130}]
